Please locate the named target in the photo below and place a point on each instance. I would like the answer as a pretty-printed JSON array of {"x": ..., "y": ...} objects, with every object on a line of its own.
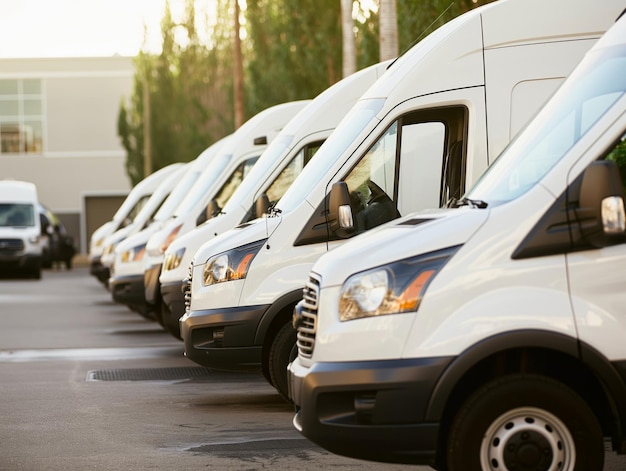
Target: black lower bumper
[
  {"x": 128, "y": 290},
  {"x": 370, "y": 410},
  {"x": 151, "y": 284},
  {"x": 223, "y": 338},
  {"x": 98, "y": 270},
  {"x": 174, "y": 299}
]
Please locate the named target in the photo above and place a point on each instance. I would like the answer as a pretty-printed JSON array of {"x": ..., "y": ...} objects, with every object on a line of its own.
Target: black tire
[
  {"x": 525, "y": 421},
  {"x": 282, "y": 351}
]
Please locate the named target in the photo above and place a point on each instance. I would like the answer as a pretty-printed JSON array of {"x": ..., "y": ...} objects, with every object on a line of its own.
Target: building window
[{"x": 21, "y": 116}]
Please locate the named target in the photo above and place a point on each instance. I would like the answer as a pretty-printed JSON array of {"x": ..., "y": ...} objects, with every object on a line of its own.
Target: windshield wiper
[
  {"x": 272, "y": 210},
  {"x": 454, "y": 203}
]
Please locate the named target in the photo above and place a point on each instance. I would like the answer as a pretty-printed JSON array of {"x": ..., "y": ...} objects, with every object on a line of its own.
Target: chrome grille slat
[
  {"x": 187, "y": 289},
  {"x": 308, "y": 327}
]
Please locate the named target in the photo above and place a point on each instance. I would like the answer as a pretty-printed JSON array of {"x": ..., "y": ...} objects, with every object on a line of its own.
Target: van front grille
[
  {"x": 11, "y": 246},
  {"x": 187, "y": 289},
  {"x": 307, "y": 328}
]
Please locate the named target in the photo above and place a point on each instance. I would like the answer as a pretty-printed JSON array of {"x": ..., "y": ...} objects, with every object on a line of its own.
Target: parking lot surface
[{"x": 88, "y": 384}]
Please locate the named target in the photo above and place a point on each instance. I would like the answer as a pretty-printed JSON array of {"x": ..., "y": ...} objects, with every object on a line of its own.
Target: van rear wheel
[{"x": 525, "y": 422}]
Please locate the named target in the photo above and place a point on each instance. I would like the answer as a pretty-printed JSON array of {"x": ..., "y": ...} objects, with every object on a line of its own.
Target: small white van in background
[
  {"x": 20, "y": 228},
  {"x": 421, "y": 135},
  {"x": 490, "y": 337}
]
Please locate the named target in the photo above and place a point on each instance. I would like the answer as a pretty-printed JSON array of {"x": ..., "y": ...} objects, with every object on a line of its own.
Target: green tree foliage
[
  {"x": 291, "y": 51},
  {"x": 189, "y": 109}
]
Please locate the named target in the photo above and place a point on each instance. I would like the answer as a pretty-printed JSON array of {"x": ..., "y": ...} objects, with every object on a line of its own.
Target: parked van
[
  {"x": 268, "y": 180},
  {"x": 20, "y": 228},
  {"x": 215, "y": 186},
  {"x": 126, "y": 283},
  {"x": 137, "y": 197},
  {"x": 160, "y": 193},
  {"x": 488, "y": 337},
  {"x": 425, "y": 131}
]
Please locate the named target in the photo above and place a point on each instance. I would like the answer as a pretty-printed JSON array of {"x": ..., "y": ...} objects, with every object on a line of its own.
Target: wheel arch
[
  {"x": 540, "y": 352},
  {"x": 274, "y": 318}
]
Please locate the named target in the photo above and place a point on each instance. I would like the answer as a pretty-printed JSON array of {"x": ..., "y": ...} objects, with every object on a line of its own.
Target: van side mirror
[
  {"x": 211, "y": 211},
  {"x": 340, "y": 217},
  {"x": 262, "y": 205},
  {"x": 601, "y": 214}
]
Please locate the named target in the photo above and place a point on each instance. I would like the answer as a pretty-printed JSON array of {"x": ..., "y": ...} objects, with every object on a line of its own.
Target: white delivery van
[
  {"x": 137, "y": 197},
  {"x": 20, "y": 228},
  {"x": 215, "y": 186},
  {"x": 488, "y": 337},
  {"x": 425, "y": 130},
  {"x": 126, "y": 284},
  {"x": 268, "y": 180},
  {"x": 161, "y": 192}
]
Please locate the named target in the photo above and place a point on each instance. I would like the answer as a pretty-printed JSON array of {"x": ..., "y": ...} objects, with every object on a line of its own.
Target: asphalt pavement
[{"x": 86, "y": 384}]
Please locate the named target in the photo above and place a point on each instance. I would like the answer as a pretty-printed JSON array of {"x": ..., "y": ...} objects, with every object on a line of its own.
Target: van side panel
[{"x": 521, "y": 79}]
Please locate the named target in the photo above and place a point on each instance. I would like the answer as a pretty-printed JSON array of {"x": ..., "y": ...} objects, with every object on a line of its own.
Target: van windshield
[
  {"x": 351, "y": 126},
  {"x": 593, "y": 88},
  {"x": 178, "y": 193},
  {"x": 17, "y": 215},
  {"x": 199, "y": 190}
]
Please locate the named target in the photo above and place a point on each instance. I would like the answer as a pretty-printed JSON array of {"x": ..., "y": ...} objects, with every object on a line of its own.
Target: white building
[{"x": 58, "y": 129}]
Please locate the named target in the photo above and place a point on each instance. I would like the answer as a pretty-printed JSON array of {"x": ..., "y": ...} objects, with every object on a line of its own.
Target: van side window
[
  {"x": 371, "y": 183},
  {"x": 417, "y": 163},
  {"x": 233, "y": 182},
  {"x": 286, "y": 177}
]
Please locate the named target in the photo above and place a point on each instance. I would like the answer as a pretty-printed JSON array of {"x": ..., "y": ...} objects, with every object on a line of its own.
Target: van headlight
[
  {"x": 391, "y": 289},
  {"x": 231, "y": 265},
  {"x": 133, "y": 255},
  {"x": 172, "y": 259}
]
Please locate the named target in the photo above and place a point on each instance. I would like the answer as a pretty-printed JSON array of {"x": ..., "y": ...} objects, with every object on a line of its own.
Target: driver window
[
  {"x": 234, "y": 181},
  {"x": 286, "y": 177},
  {"x": 371, "y": 183}
]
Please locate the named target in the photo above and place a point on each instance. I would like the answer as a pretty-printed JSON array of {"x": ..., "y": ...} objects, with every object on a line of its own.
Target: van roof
[
  {"x": 451, "y": 56},
  {"x": 17, "y": 191}
]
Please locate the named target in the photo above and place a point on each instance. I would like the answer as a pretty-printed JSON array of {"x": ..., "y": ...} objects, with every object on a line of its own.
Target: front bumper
[
  {"x": 23, "y": 261},
  {"x": 98, "y": 270},
  {"x": 151, "y": 283},
  {"x": 223, "y": 338},
  {"x": 128, "y": 290},
  {"x": 174, "y": 299},
  {"x": 373, "y": 410}
]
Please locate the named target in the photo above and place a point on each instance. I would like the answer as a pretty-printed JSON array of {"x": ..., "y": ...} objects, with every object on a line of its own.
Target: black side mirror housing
[
  {"x": 262, "y": 205},
  {"x": 600, "y": 214},
  {"x": 340, "y": 217}
]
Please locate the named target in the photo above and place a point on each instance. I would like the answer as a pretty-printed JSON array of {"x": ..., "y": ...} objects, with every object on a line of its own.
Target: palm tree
[
  {"x": 388, "y": 26},
  {"x": 349, "y": 48}
]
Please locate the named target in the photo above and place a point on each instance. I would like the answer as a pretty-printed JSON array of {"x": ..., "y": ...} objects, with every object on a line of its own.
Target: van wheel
[
  {"x": 525, "y": 422},
  {"x": 282, "y": 351}
]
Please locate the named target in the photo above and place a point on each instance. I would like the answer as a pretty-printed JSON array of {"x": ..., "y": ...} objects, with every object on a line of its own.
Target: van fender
[
  {"x": 273, "y": 311},
  {"x": 612, "y": 382}
]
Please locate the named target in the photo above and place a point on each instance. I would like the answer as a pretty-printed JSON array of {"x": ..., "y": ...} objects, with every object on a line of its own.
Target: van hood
[
  {"x": 412, "y": 235},
  {"x": 243, "y": 234}
]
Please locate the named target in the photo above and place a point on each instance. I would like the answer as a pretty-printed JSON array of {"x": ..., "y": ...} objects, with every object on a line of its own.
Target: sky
[{"x": 70, "y": 28}]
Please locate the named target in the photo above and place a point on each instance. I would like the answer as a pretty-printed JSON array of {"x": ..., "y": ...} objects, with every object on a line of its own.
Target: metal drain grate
[{"x": 149, "y": 374}]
